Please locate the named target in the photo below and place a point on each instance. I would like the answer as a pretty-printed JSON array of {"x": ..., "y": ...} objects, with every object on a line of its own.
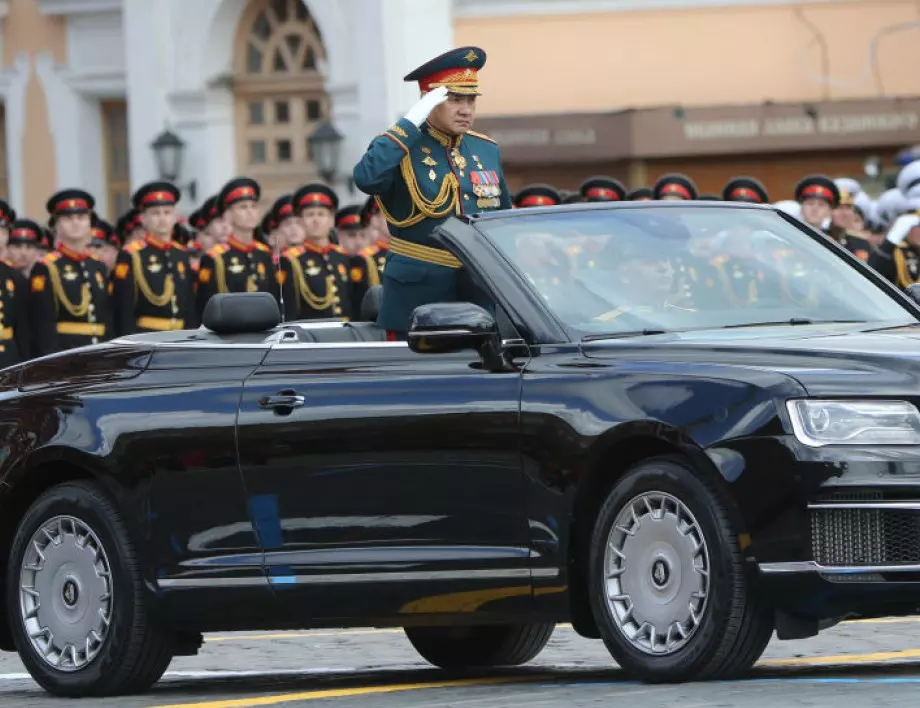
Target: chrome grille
[{"x": 854, "y": 537}]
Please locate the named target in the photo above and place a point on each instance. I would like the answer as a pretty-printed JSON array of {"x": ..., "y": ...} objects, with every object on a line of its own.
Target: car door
[{"x": 383, "y": 481}]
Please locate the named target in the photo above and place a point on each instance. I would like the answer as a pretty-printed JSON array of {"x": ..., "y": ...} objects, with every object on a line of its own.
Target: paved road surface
[{"x": 860, "y": 664}]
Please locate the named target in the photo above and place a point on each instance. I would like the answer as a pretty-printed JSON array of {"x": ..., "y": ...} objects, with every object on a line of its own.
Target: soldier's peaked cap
[
  {"x": 240, "y": 189},
  {"x": 745, "y": 189},
  {"x": 535, "y": 195},
  {"x": 674, "y": 185},
  {"x": 316, "y": 194},
  {"x": 640, "y": 194},
  {"x": 70, "y": 201},
  {"x": 602, "y": 189},
  {"x": 457, "y": 70},
  {"x": 349, "y": 218},
  {"x": 282, "y": 208},
  {"x": 7, "y": 213},
  {"x": 26, "y": 231},
  {"x": 155, "y": 194},
  {"x": 818, "y": 187}
]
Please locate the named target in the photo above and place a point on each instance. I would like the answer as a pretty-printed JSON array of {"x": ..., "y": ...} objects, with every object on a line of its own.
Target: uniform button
[
  {"x": 466, "y": 196},
  {"x": 92, "y": 307}
]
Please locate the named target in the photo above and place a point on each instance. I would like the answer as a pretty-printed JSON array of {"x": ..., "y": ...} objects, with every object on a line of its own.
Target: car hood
[{"x": 826, "y": 360}]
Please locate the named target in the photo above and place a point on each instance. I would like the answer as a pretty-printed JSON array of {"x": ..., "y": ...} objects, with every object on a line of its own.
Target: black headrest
[
  {"x": 236, "y": 313},
  {"x": 370, "y": 304}
]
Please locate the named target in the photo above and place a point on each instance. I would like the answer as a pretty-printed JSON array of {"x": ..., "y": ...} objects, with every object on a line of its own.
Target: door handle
[{"x": 284, "y": 399}]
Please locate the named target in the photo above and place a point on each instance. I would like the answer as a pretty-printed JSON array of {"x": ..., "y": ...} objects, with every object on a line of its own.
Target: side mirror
[
  {"x": 913, "y": 292},
  {"x": 444, "y": 327}
]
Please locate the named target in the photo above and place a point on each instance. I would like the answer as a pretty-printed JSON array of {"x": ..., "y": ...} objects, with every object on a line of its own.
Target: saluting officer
[
  {"x": 424, "y": 169},
  {"x": 242, "y": 264},
  {"x": 152, "y": 281},
  {"x": 70, "y": 304},
  {"x": 15, "y": 333},
  {"x": 314, "y": 277}
]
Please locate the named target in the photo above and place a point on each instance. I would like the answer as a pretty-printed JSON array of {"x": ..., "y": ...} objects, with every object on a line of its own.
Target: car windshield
[{"x": 645, "y": 270}]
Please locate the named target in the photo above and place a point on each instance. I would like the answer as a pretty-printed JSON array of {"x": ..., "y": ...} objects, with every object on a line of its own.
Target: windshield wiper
[
  {"x": 794, "y": 322},
  {"x": 620, "y": 335}
]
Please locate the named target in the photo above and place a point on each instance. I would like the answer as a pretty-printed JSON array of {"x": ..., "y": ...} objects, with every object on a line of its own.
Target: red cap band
[
  {"x": 602, "y": 192},
  {"x": 239, "y": 193},
  {"x": 745, "y": 192},
  {"x": 674, "y": 188},
  {"x": 71, "y": 204},
  {"x": 286, "y": 210},
  {"x": 349, "y": 220},
  {"x": 816, "y": 190},
  {"x": 311, "y": 198},
  {"x": 24, "y": 233},
  {"x": 158, "y": 197},
  {"x": 537, "y": 200}
]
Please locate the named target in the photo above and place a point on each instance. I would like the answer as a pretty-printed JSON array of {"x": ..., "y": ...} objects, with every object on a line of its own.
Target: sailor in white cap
[
  {"x": 909, "y": 180},
  {"x": 898, "y": 257}
]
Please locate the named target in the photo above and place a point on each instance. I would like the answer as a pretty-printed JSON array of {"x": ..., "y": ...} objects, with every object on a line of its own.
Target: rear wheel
[
  {"x": 668, "y": 585},
  {"x": 76, "y": 601},
  {"x": 481, "y": 646}
]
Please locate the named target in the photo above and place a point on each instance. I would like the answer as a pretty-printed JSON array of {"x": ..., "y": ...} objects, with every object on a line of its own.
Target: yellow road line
[
  {"x": 874, "y": 657},
  {"x": 345, "y": 692}
]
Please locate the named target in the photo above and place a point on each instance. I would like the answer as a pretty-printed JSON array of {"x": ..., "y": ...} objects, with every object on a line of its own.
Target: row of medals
[{"x": 487, "y": 195}]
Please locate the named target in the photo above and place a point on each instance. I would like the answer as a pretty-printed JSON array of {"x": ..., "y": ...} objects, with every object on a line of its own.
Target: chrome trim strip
[
  {"x": 338, "y": 578},
  {"x": 212, "y": 582},
  {"x": 879, "y": 505},
  {"x": 813, "y": 567}
]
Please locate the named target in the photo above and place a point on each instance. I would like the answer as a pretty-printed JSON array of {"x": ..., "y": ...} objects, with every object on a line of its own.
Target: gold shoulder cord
[
  {"x": 220, "y": 273},
  {"x": 60, "y": 296},
  {"x": 446, "y": 202},
  {"x": 900, "y": 266},
  {"x": 373, "y": 275},
  {"x": 309, "y": 297},
  {"x": 169, "y": 287}
]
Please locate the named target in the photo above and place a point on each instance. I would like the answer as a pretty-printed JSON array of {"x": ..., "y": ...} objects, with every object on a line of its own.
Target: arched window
[{"x": 280, "y": 97}]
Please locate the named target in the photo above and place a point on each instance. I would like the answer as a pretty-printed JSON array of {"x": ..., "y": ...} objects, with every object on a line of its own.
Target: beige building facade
[
  {"x": 630, "y": 88},
  {"x": 636, "y": 88}
]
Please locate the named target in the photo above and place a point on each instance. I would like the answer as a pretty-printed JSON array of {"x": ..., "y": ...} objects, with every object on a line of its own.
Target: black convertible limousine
[{"x": 681, "y": 428}]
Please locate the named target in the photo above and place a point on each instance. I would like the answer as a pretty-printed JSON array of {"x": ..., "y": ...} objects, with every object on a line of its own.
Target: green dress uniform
[
  {"x": 422, "y": 176},
  {"x": 316, "y": 283},
  {"x": 70, "y": 304}
]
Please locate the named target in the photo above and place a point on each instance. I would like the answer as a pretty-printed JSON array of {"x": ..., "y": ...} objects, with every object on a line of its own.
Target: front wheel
[
  {"x": 668, "y": 586},
  {"x": 481, "y": 646},
  {"x": 76, "y": 600}
]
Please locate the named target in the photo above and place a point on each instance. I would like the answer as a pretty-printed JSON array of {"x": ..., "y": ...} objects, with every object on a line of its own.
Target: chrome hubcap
[
  {"x": 656, "y": 573},
  {"x": 65, "y": 593}
]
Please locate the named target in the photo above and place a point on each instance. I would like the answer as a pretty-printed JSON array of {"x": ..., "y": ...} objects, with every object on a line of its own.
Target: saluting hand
[{"x": 419, "y": 113}]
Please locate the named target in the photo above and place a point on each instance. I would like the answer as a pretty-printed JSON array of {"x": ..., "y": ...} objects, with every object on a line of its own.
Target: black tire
[
  {"x": 480, "y": 647},
  {"x": 136, "y": 649},
  {"x": 736, "y": 622}
]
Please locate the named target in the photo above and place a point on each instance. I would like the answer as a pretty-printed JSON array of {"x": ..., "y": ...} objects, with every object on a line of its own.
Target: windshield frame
[{"x": 481, "y": 221}]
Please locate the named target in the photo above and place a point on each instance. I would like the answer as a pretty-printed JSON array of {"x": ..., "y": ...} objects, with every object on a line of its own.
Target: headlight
[{"x": 819, "y": 423}]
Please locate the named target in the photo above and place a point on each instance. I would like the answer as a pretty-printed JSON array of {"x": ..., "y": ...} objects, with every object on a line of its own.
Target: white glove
[
  {"x": 419, "y": 113},
  {"x": 899, "y": 230}
]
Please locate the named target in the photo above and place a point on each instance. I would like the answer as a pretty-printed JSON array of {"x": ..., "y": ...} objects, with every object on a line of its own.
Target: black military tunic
[
  {"x": 15, "y": 337},
  {"x": 857, "y": 245},
  {"x": 70, "y": 304},
  {"x": 900, "y": 264},
  {"x": 236, "y": 267},
  {"x": 316, "y": 282},
  {"x": 152, "y": 288},
  {"x": 366, "y": 270}
]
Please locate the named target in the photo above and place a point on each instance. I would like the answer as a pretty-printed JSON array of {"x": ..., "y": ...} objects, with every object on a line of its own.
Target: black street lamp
[
  {"x": 325, "y": 150},
  {"x": 168, "y": 150}
]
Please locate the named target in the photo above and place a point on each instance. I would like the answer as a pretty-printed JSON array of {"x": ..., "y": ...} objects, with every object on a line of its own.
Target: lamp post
[
  {"x": 325, "y": 150},
  {"x": 168, "y": 151}
]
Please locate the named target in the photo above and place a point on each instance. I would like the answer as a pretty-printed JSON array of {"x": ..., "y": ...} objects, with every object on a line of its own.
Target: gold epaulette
[
  {"x": 262, "y": 247},
  {"x": 51, "y": 257},
  {"x": 135, "y": 246},
  {"x": 480, "y": 135},
  {"x": 369, "y": 251},
  {"x": 339, "y": 249},
  {"x": 294, "y": 252},
  {"x": 218, "y": 250},
  {"x": 8, "y": 262},
  {"x": 177, "y": 246}
]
